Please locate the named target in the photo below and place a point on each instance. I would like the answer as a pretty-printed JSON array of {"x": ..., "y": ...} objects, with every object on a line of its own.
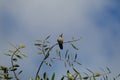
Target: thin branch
[
  {"x": 64, "y": 43},
  {"x": 39, "y": 68},
  {"x": 13, "y": 63}
]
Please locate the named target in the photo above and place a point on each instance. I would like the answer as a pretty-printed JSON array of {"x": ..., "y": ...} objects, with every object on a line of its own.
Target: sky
[{"x": 97, "y": 21}]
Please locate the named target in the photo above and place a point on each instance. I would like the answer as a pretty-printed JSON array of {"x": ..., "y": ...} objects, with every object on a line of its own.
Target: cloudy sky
[{"x": 97, "y": 21}]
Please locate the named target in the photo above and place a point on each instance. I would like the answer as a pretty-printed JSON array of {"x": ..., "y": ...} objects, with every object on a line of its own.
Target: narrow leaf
[
  {"x": 44, "y": 45},
  {"x": 47, "y": 37},
  {"x": 53, "y": 76},
  {"x": 85, "y": 77},
  {"x": 23, "y": 54},
  {"x": 75, "y": 70},
  {"x": 65, "y": 63},
  {"x": 56, "y": 52},
  {"x": 30, "y": 79},
  {"x": 38, "y": 40},
  {"x": 8, "y": 77},
  {"x": 14, "y": 59},
  {"x": 11, "y": 51},
  {"x": 39, "y": 53},
  {"x": 38, "y": 78},
  {"x": 97, "y": 74},
  {"x": 75, "y": 56},
  {"x": 16, "y": 65},
  {"x": 46, "y": 56},
  {"x": 74, "y": 47},
  {"x": 48, "y": 64},
  {"x": 46, "y": 49},
  {"x": 62, "y": 78},
  {"x": 37, "y": 44},
  {"x": 108, "y": 70},
  {"x": 18, "y": 56},
  {"x": 21, "y": 46},
  {"x": 66, "y": 54},
  {"x": 20, "y": 72},
  {"x": 13, "y": 69},
  {"x": 60, "y": 55},
  {"x": 45, "y": 75},
  {"x": 7, "y": 54},
  {"x": 90, "y": 71}
]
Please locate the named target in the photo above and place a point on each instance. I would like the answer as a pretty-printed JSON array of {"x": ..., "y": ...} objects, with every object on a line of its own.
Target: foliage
[
  {"x": 14, "y": 55},
  {"x": 68, "y": 59}
]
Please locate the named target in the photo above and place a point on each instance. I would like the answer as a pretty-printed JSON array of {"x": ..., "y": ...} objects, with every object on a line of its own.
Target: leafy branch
[
  {"x": 13, "y": 69},
  {"x": 46, "y": 50}
]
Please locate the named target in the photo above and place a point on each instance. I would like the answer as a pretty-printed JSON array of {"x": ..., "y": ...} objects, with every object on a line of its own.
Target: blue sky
[{"x": 97, "y": 21}]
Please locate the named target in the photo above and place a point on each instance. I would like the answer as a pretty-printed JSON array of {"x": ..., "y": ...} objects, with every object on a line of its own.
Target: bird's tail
[{"x": 61, "y": 46}]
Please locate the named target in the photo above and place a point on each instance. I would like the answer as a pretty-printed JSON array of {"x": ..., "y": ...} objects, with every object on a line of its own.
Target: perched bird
[{"x": 60, "y": 41}]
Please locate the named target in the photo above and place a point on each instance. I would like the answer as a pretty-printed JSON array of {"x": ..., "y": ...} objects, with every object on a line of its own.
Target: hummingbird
[{"x": 60, "y": 41}]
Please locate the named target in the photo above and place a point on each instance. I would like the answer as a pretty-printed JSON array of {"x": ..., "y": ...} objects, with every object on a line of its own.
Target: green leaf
[
  {"x": 11, "y": 51},
  {"x": 65, "y": 63},
  {"x": 60, "y": 55},
  {"x": 46, "y": 56},
  {"x": 23, "y": 54},
  {"x": 75, "y": 70},
  {"x": 86, "y": 77},
  {"x": 7, "y": 54},
  {"x": 48, "y": 64},
  {"x": 13, "y": 69},
  {"x": 66, "y": 54},
  {"x": 20, "y": 72},
  {"x": 46, "y": 49},
  {"x": 14, "y": 59},
  {"x": 56, "y": 52},
  {"x": 90, "y": 71},
  {"x": 97, "y": 74},
  {"x": 21, "y": 46},
  {"x": 37, "y": 44},
  {"x": 62, "y": 78},
  {"x": 47, "y": 37},
  {"x": 8, "y": 77},
  {"x": 108, "y": 70},
  {"x": 53, "y": 76},
  {"x": 95, "y": 78},
  {"x": 18, "y": 56},
  {"x": 45, "y": 76},
  {"x": 44, "y": 45},
  {"x": 38, "y": 78},
  {"x": 74, "y": 47},
  {"x": 3, "y": 68},
  {"x": 16, "y": 65},
  {"x": 38, "y": 40},
  {"x": 39, "y": 53},
  {"x": 68, "y": 57},
  {"x": 75, "y": 56},
  {"x": 78, "y": 63},
  {"x": 30, "y": 79}
]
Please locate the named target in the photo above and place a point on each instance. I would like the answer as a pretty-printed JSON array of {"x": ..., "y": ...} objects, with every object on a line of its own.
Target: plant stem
[
  {"x": 39, "y": 68},
  {"x": 13, "y": 63}
]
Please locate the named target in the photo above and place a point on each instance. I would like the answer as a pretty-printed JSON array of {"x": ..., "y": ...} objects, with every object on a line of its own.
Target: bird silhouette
[{"x": 60, "y": 41}]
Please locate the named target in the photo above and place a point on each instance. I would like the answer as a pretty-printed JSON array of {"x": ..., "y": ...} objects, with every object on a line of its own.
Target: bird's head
[{"x": 61, "y": 35}]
